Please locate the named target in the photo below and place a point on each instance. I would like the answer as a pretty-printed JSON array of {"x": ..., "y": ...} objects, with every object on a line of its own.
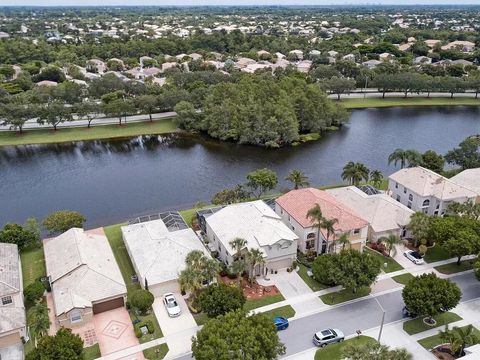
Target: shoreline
[{"x": 168, "y": 126}]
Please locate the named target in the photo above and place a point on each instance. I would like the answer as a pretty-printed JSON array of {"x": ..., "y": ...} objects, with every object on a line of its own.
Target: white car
[
  {"x": 171, "y": 305},
  {"x": 414, "y": 257}
]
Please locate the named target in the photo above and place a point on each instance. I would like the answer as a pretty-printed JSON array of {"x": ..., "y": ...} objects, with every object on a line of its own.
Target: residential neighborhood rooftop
[
  {"x": 10, "y": 277},
  {"x": 469, "y": 178}
]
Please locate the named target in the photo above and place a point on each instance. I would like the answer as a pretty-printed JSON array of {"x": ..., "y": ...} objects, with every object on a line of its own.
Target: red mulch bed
[
  {"x": 253, "y": 291},
  {"x": 379, "y": 248},
  {"x": 443, "y": 352}
]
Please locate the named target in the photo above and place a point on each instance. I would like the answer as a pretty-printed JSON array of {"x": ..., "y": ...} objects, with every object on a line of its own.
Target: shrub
[
  {"x": 322, "y": 267},
  {"x": 63, "y": 220},
  {"x": 138, "y": 332},
  {"x": 34, "y": 291},
  {"x": 219, "y": 299},
  {"x": 150, "y": 326},
  {"x": 141, "y": 300}
]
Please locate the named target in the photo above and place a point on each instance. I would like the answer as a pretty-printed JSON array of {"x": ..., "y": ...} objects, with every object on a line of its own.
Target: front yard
[
  {"x": 334, "y": 351},
  {"x": 310, "y": 281},
  {"x": 156, "y": 353},
  {"x": 344, "y": 295},
  {"x": 92, "y": 352},
  {"x": 435, "y": 340},
  {"x": 285, "y": 311},
  {"x": 453, "y": 268},
  {"x": 436, "y": 253},
  {"x": 267, "y": 300},
  {"x": 392, "y": 265},
  {"x": 403, "y": 279},
  {"x": 417, "y": 325}
]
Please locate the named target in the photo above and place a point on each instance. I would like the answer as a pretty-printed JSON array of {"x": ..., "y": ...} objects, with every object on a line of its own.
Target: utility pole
[{"x": 383, "y": 319}]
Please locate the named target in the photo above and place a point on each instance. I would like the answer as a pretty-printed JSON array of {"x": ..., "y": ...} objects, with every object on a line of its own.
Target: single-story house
[
  {"x": 257, "y": 223},
  {"x": 469, "y": 179},
  {"x": 293, "y": 207},
  {"x": 384, "y": 215},
  {"x": 84, "y": 276},
  {"x": 158, "y": 249},
  {"x": 12, "y": 309},
  {"x": 423, "y": 190}
]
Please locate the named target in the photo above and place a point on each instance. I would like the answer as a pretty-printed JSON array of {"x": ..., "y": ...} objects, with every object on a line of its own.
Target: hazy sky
[{"x": 230, "y": 2}]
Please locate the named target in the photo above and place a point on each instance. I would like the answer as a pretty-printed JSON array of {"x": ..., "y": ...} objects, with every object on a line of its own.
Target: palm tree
[
  {"x": 390, "y": 241},
  {"x": 255, "y": 257},
  {"x": 328, "y": 225},
  {"x": 38, "y": 320},
  {"x": 190, "y": 280},
  {"x": 238, "y": 266},
  {"x": 316, "y": 216},
  {"x": 343, "y": 241},
  {"x": 376, "y": 177},
  {"x": 298, "y": 179},
  {"x": 355, "y": 173},
  {"x": 396, "y": 156},
  {"x": 413, "y": 158},
  {"x": 459, "y": 338},
  {"x": 199, "y": 270}
]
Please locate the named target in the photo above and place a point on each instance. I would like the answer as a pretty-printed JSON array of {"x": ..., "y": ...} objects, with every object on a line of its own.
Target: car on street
[
  {"x": 328, "y": 336},
  {"x": 171, "y": 305},
  {"x": 280, "y": 322},
  {"x": 414, "y": 257}
]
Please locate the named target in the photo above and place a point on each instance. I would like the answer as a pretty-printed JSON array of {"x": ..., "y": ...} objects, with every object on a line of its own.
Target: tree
[
  {"x": 343, "y": 241},
  {"x": 230, "y": 196},
  {"x": 119, "y": 108},
  {"x": 219, "y": 299},
  {"x": 355, "y": 173},
  {"x": 315, "y": 215},
  {"x": 54, "y": 113},
  {"x": 238, "y": 266},
  {"x": 374, "y": 351},
  {"x": 459, "y": 338},
  {"x": 339, "y": 85},
  {"x": 467, "y": 155},
  {"x": 464, "y": 242},
  {"x": 199, "y": 270},
  {"x": 38, "y": 320},
  {"x": 235, "y": 336},
  {"x": 63, "y": 220},
  {"x": 88, "y": 110},
  {"x": 419, "y": 226},
  {"x": 18, "y": 235},
  {"x": 355, "y": 270},
  {"x": 142, "y": 300},
  {"x": 254, "y": 258},
  {"x": 16, "y": 114},
  {"x": 390, "y": 241},
  {"x": 34, "y": 291},
  {"x": 147, "y": 104},
  {"x": 261, "y": 181},
  {"x": 398, "y": 155},
  {"x": 297, "y": 178},
  {"x": 324, "y": 268},
  {"x": 63, "y": 346},
  {"x": 428, "y": 295},
  {"x": 433, "y": 161},
  {"x": 376, "y": 177}
]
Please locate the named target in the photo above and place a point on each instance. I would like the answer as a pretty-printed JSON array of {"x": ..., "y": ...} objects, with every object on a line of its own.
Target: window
[
  {"x": 398, "y": 198},
  {"x": 404, "y": 190},
  {"x": 310, "y": 244},
  {"x": 7, "y": 300},
  {"x": 409, "y": 205},
  {"x": 288, "y": 217},
  {"x": 75, "y": 316},
  {"x": 293, "y": 228},
  {"x": 396, "y": 185},
  {"x": 410, "y": 197},
  {"x": 356, "y": 231},
  {"x": 281, "y": 211},
  {"x": 426, "y": 203},
  {"x": 311, "y": 236}
]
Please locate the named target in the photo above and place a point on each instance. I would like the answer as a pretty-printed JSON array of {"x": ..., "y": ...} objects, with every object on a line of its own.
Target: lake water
[{"x": 111, "y": 181}]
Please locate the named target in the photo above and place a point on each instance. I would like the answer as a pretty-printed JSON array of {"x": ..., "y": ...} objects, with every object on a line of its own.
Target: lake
[{"x": 111, "y": 181}]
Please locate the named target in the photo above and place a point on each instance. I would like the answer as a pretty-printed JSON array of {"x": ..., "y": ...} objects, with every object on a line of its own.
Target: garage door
[
  {"x": 9, "y": 340},
  {"x": 163, "y": 288},
  {"x": 279, "y": 264},
  {"x": 108, "y": 305}
]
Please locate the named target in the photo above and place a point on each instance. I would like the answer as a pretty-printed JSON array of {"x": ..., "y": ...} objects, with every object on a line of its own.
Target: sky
[{"x": 228, "y": 2}]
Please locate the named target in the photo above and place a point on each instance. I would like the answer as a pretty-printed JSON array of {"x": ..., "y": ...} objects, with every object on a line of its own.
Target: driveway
[
  {"x": 114, "y": 332},
  {"x": 183, "y": 326}
]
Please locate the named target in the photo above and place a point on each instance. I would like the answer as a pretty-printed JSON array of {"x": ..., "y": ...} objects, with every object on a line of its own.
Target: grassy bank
[
  {"x": 390, "y": 102},
  {"x": 48, "y": 136},
  {"x": 417, "y": 325}
]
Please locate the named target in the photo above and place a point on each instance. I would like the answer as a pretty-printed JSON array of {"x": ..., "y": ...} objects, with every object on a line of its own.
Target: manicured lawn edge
[
  {"x": 392, "y": 265},
  {"x": 362, "y": 103},
  {"x": 453, "y": 268},
  {"x": 436, "y": 253},
  {"x": 417, "y": 325},
  {"x": 435, "y": 340},
  {"x": 311, "y": 282},
  {"x": 285, "y": 311},
  {"x": 156, "y": 352},
  {"x": 403, "y": 279},
  {"x": 344, "y": 295},
  {"x": 334, "y": 351},
  {"x": 256, "y": 303},
  {"x": 92, "y": 352}
]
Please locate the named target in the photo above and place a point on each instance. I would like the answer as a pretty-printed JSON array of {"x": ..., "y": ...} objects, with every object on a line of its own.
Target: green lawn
[
  {"x": 403, "y": 279},
  {"x": 256, "y": 303},
  {"x": 285, "y": 311},
  {"x": 334, "y": 352},
  {"x": 344, "y": 295},
  {"x": 45, "y": 136},
  {"x": 436, "y": 253},
  {"x": 311, "y": 282},
  {"x": 33, "y": 265},
  {"x": 92, "y": 352},
  {"x": 392, "y": 265},
  {"x": 432, "y": 341},
  {"x": 156, "y": 353},
  {"x": 200, "y": 318},
  {"x": 114, "y": 235},
  {"x": 417, "y": 325},
  {"x": 148, "y": 337},
  {"x": 453, "y": 268},
  {"x": 398, "y": 101}
]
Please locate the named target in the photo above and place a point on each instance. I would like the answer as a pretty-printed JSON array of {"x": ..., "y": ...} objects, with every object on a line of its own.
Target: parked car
[
  {"x": 328, "y": 336},
  {"x": 171, "y": 305},
  {"x": 414, "y": 257},
  {"x": 407, "y": 313},
  {"x": 280, "y": 322}
]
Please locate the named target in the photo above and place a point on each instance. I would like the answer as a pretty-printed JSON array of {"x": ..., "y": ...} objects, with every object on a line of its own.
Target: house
[
  {"x": 384, "y": 215},
  {"x": 349, "y": 57},
  {"x": 371, "y": 64},
  {"x": 423, "y": 190},
  {"x": 432, "y": 42},
  {"x": 469, "y": 179},
  {"x": 304, "y": 66},
  {"x": 464, "y": 46},
  {"x": 96, "y": 66},
  {"x": 296, "y": 54},
  {"x": 12, "y": 309},
  {"x": 422, "y": 60},
  {"x": 257, "y": 223},
  {"x": 386, "y": 56},
  {"x": 293, "y": 207},
  {"x": 83, "y": 275},
  {"x": 405, "y": 47},
  {"x": 158, "y": 249}
]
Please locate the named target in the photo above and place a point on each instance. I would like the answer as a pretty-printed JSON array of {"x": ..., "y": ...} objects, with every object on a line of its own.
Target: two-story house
[
  {"x": 12, "y": 309},
  {"x": 293, "y": 207},
  {"x": 423, "y": 190},
  {"x": 262, "y": 229}
]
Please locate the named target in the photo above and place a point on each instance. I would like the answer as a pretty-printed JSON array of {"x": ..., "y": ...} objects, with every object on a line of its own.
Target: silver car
[
  {"x": 328, "y": 336},
  {"x": 171, "y": 305},
  {"x": 414, "y": 257}
]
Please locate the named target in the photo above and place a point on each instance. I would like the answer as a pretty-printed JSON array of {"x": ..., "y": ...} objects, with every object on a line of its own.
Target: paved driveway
[
  {"x": 114, "y": 331},
  {"x": 183, "y": 326}
]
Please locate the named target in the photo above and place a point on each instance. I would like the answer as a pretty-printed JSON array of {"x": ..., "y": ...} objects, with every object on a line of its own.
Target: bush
[
  {"x": 219, "y": 299},
  {"x": 138, "y": 332},
  {"x": 63, "y": 220},
  {"x": 141, "y": 300},
  {"x": 322, "y": 267},
  {"x": 34, "y": 291},
  {"x": 150, "y": 326}
]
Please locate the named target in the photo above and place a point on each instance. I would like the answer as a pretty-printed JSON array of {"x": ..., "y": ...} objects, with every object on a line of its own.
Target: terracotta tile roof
[{"x": 298, "y": 202}]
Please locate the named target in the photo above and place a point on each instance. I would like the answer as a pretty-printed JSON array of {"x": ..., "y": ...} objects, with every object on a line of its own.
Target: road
[{"x": 359, "y": 315}]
